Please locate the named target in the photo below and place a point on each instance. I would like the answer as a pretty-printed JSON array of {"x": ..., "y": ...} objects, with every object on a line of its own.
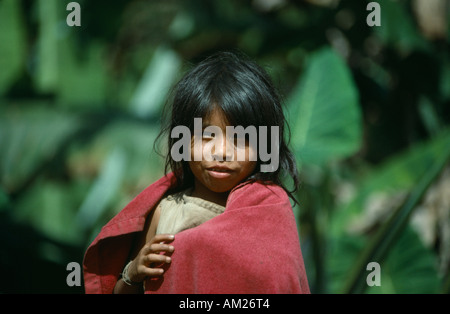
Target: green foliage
[
  {"x": 324, "y": 111},
  {"x": 80, "y": 110},
  {"x": 12, "y": 37},
  {"x": 398, "y": 28},
  {"x": 391, "y": 230},
  {"x": 410, "y": 268},
  {"x": 29, "y": 137}
]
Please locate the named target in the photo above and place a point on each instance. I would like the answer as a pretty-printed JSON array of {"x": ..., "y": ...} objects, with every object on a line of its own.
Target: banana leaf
[{"x": 324, "y": 113}]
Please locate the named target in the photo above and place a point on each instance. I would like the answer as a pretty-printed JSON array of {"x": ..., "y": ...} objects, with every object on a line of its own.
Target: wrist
[{"x": 126, "y": 276}]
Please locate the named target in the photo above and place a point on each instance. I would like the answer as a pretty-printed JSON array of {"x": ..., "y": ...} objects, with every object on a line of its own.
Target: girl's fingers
[
  {"x": 154, "y": 260},
  {"x": 157, "y": 259},
  {"x": 152, "y": 272},
  {"x": 150, "y": 259},
  {"x": 149, "y": 265},
  {"x": 159, "y": 243},
  {"x": 162, "y": 238},
  {"x": 158, "y": 248}
]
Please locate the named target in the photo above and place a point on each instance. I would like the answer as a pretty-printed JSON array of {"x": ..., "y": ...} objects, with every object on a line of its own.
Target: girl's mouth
[{"x": 219, "y": 172}]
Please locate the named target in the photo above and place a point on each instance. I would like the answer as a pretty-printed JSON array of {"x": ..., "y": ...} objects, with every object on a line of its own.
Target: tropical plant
[{"x": 368, "y": 109}]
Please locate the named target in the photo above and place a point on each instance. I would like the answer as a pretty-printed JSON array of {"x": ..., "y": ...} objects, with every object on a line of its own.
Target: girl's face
[{"x": 216, "y": 175}]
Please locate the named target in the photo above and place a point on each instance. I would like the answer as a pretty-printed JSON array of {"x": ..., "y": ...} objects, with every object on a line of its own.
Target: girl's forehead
[{"x": 215, "y": 117}]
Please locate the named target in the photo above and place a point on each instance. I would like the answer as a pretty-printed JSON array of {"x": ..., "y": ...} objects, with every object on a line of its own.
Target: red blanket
[{"x": 253, "y": 247}]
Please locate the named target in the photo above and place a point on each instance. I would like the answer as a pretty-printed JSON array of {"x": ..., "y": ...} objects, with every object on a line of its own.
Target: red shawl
[{"x": 253, "y": 247}]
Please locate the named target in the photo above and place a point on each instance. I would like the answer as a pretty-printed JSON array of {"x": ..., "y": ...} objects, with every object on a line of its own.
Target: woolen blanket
[{"x": 252, "y": 248}]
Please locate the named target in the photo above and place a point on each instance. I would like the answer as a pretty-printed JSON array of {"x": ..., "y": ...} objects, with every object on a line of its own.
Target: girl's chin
[{"x": 219, "y": 189}]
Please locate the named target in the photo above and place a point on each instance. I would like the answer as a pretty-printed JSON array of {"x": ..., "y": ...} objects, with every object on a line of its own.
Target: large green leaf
[
  {"x": 397, "y": 28},
  {"x": 409, "y": 268},
  {"x": 324, "y": 113},
  {"x": 12, "y": 43},
  {"x": 47, "y": 75},
  {"x": 30, "y": 136},
  {"x": 76, "y": 74},
  {"x": 396, "y": 175},
  {"x": 49, "y": 207},
  {"x": 155, "y": 83},
  {"x": 389, "y": 233},
  {"x": 124, "y": 163},
  {"x": 411, "y": 171},
  {"x": 102, "y": 175},
  {"x": 83, "y": 82}
]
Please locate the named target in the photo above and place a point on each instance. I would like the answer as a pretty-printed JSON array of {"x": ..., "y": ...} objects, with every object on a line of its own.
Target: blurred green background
[{"x": 368, "y": 108}]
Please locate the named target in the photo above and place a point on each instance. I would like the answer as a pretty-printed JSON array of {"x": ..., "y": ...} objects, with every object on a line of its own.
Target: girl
[{"x": 217, "y": 224}]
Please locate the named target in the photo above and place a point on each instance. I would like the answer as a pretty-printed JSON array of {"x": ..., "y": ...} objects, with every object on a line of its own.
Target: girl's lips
[{"x": 219, "y": 173}]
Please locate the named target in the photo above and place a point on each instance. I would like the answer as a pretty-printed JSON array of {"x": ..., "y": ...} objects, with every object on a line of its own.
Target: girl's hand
[{"x": 149, "y": 258}]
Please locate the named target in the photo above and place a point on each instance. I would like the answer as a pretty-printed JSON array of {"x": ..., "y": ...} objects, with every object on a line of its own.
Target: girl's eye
[
  {"x": 208, "y": 135},
  {"x": 241, "y": 138}
]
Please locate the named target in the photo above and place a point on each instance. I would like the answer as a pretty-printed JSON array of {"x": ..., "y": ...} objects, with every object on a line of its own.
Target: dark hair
[{"x": 245, "y": 93}]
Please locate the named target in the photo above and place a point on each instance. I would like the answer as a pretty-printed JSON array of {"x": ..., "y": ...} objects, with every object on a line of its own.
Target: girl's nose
[{"x": 223, "y": 149}]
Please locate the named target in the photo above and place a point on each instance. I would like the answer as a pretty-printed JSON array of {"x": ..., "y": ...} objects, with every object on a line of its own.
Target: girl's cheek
[
  {"x": 251, "y": 154},
  {"x": 196, "y": 149}
]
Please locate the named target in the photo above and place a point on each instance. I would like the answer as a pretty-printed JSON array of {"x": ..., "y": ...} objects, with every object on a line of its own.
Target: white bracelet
[{"x": 126, "y": 279}]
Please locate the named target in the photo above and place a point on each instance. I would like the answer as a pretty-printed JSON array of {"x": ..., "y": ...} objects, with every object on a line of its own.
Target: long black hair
[{"x": 245, "y": 93}]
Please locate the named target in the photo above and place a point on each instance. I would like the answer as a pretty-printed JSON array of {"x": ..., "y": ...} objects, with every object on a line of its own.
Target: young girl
[{"x": 216, "y": 224}]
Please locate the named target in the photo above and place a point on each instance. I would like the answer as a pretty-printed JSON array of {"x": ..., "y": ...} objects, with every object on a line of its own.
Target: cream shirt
[{"x": 182, "y": 211}]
